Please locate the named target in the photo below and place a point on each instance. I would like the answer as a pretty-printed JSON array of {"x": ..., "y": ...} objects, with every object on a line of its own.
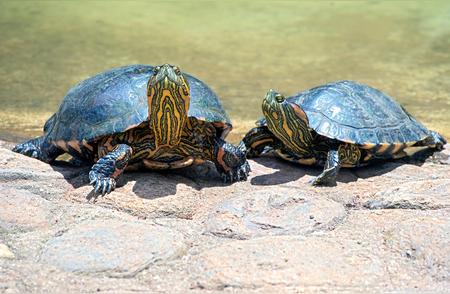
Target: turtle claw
[
  {"x": 102, "y": 185},
  {"x": 97, "y": 186},
  {"x": 324, "y": 179}
]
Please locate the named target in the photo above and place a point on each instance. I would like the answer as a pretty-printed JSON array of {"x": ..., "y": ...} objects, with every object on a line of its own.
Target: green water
[{"x": 241, "y": 49}]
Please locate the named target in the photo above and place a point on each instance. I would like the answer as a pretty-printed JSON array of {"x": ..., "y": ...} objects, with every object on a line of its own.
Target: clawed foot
[
  {"x": 101, "y": 183},
  {"x": 326, "y": 178},
  {"x": 100, "y": 175},
  {"x": 104, "y": 173},
  {"x": 239, "y": 173}
]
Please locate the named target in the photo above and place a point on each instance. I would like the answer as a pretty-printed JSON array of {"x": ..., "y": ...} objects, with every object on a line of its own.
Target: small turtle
[
  {"x": 338, "y": 124},
  {"x": 139, "y": 116}
]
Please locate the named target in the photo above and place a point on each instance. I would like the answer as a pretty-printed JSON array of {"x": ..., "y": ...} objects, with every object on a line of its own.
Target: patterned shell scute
[
  {"x": 116, "y": 100},
  {"x": 357, "y": 113}
]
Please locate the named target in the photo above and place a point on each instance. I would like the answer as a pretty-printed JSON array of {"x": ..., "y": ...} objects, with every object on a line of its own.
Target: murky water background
[{"x": 241, "y": 49}]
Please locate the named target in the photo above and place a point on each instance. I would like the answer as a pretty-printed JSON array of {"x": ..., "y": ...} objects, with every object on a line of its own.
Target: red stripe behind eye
[{"x": 300, "y": 113}]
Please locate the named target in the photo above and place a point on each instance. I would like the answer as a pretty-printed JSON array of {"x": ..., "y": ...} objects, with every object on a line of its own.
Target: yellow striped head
[
  {"x": 288, "y": 122},
  {"x": 168, "y": 104}
]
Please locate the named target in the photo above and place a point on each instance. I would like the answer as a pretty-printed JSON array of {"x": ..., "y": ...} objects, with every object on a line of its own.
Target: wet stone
[
  {"x": 273, "y": 211},
  {"x": 117, "y": 248}
]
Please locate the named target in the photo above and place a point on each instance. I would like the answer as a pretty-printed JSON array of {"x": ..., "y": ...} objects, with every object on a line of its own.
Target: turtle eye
[
  {"x": 157, "y": 68},
  {"x": 177, "y": 70},
  {"x": 279, "y": 98}
]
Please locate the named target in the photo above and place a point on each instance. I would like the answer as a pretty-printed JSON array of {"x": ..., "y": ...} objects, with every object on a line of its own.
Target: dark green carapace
[
  {"x": 341, "y": 124},
  {"x": 139, "y": 116}
]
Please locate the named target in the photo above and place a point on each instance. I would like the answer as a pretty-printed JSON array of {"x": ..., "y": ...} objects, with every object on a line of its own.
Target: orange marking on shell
[
  {"x": 383, "y": 148},
  {"x": 151, "y": 164},
  {"x": 183, "y": 162},
  {"x": 260, "y": 142},
  {"x": 307, "y": 161},
  {"x": 198, "y": 161},
  {"x": 61, "y": 144},
  {"x": 108, "y": 144},
  {"x": 367, "y": 157},
  {"x": 398, "y": 147},
  {"x": 87, "y": 145},
  {"x": 75, "y": 145},
  {"x": 367, "y": 146}
]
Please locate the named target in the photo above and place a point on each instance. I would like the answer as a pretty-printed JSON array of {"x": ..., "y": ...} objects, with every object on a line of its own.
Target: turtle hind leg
[
  {"x": 39, "y": 148},
  {"x": 425, "y": 148}
]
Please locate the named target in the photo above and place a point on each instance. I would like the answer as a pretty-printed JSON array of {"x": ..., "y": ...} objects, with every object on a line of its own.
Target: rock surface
[{"x": 384, "y": 228}]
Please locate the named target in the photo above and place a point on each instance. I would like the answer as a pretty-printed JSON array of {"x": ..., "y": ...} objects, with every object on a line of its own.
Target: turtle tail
[{"x": 435, "y": 140}]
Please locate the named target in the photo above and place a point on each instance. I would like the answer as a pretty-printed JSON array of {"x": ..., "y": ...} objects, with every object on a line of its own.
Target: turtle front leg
[
  {"x": 104, "y": 173},
  {"x": 330, "y": 170},
  {"x": 257, "y": 141},
  {"x": 230, "y": 161}
]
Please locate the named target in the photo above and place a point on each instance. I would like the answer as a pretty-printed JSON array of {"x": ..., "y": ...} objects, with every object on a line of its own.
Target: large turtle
[
  {"x": 139, "y": 116},
  {"x": 338, "y": 124}
]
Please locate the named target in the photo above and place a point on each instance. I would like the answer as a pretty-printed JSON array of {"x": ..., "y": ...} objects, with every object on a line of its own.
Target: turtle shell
[
  {"x": 359, "y": 114},
  {"x": 116, "y": 100}
]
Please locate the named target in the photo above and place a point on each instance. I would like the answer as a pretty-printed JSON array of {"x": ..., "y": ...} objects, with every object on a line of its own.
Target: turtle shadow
[
  {"x": 290, "y": 172},
  {"x": 77, "y": 176},
  {"x": 381, "y": 167},
  {"x": 285, "y": 171},
  {"x": 149, "y": 184}
]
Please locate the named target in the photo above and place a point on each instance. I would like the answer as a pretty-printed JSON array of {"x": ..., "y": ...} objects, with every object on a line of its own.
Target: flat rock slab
[
  {"x": 413, "y": 244},
  {"x": 119, "y": 249},
  {"x": 426, "y": 194},
  {"x": 286, "y": 261},
  {"x": 386, "y": 251},
  {"x": 383, "y": 228},
  {"x": 14, "y": 166},
  {"x": 23, "y": 210},
  {"x": 148, "y": 194},
  {"x": 29, "y": 174},
  {"x": 270, "y": 211},
  {"x": 425, "y": 242}
]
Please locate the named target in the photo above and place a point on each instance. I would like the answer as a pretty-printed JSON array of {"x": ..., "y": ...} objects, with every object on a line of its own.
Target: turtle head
[
  {"x": 288, "y": 122},
  {"x": 168, "y": 104}
]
